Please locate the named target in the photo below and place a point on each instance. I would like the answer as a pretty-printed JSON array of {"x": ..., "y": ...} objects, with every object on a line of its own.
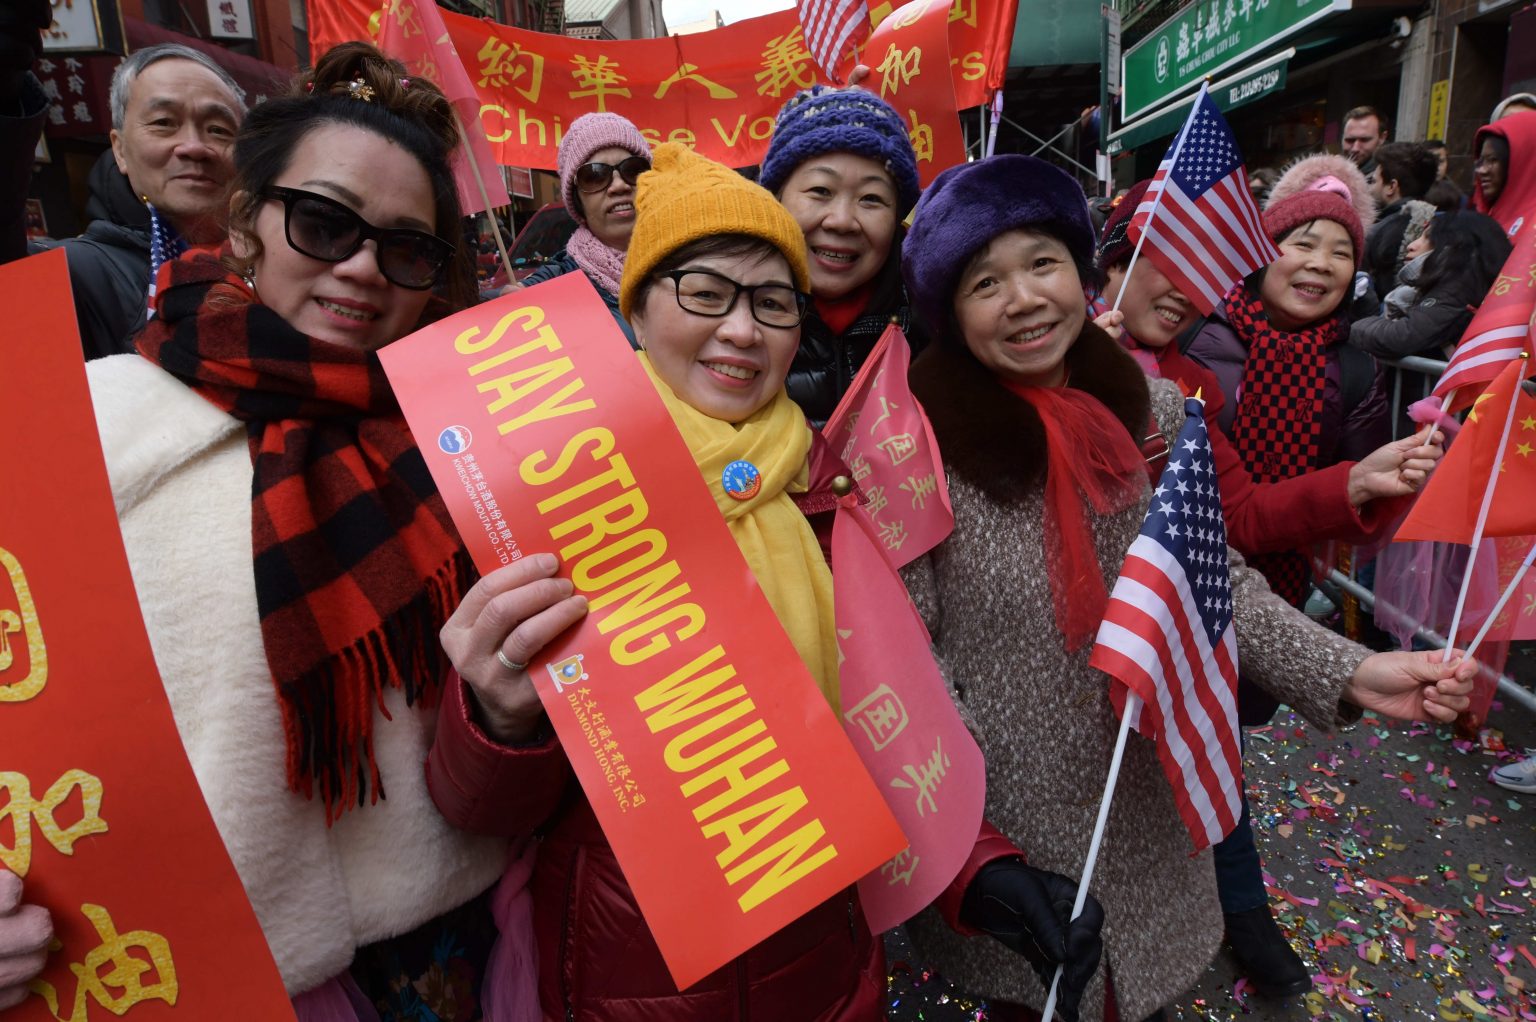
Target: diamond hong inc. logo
[{"x": 567, "y": 672}]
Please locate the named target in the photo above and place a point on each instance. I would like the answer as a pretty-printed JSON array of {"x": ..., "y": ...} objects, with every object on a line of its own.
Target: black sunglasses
[
  {"x": 594, "y": 177},
  {"x": 324, "y": 229}
]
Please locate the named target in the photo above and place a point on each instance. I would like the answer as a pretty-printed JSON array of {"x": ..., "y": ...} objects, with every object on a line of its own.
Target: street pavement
[{"x": 1397, "y": 870}]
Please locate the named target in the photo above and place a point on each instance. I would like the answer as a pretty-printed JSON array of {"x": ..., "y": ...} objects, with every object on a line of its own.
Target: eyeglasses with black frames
[
  {"x": 706, "y": 293},
  {"x": 595, "y": 177},
  {"x": 323, "y": 228}
]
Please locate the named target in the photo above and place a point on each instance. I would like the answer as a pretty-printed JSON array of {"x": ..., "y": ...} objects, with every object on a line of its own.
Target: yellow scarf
[{"x": 768, "y": 528}]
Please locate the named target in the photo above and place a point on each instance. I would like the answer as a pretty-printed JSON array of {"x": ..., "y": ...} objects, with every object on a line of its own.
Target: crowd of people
[{"x": 243, "y": 269}]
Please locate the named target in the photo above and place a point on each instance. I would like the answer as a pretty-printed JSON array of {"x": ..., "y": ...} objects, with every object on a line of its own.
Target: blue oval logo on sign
[{"x": 454, "y": 440}]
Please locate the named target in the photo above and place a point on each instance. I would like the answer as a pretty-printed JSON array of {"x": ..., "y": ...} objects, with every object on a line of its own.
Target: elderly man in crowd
[{"x": 162, "y": 186}]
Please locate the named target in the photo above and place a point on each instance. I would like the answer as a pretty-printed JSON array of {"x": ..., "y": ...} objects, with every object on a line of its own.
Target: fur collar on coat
[{"x": 995, "y": 438}]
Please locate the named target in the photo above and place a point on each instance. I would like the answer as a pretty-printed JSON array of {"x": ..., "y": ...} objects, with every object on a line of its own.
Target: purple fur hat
[{"x": 970, "y": 204}]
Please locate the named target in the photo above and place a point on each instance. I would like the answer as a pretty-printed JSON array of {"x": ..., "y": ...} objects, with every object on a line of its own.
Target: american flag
[
  {"x": 1500, "y": 331},
  {"x": 831, "y": 27},
  {"x": 1167, "y": 640},
  {"x": 1202, "y": 226}
]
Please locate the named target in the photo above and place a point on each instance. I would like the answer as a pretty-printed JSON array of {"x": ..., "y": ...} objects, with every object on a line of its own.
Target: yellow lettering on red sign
[
  {"x": 786, "y": 62},
  {"x": 18, "y": 617},
  {"x": 123, "y": 985},
  {"x": 22, "y": 809}
]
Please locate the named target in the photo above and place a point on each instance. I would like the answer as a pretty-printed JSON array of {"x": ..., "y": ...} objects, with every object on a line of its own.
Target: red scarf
[
  {"x": 839, "y": 313},
  {"x": 1279, "y": 422},
  {"x": 1092, "y": 463},
  {"x": 356, "y": 561}
]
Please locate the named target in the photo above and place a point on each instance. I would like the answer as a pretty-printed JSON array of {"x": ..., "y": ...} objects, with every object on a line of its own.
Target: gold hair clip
[{"x": 359, "y": 89}]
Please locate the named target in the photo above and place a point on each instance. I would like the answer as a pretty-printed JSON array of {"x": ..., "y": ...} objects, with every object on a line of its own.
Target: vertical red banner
[
  {"x": 107, "y": 825},
  {"x": 908, "y": 55}
]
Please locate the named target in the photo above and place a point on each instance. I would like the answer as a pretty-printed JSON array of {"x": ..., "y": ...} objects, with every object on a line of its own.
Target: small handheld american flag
[
  {"x": 1167, "y": 640},
  {"x": 1198, "y": 220},
  {"x": 831, "y": 28}
]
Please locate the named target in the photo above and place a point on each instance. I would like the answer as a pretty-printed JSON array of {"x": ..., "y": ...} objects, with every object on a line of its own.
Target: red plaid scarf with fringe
[
  {"x": 1279, "y": 417},
  {"x": 356, "y": 561}
]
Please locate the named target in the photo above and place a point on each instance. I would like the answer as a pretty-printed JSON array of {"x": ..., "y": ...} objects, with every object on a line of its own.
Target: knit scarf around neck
[
  {"x": 356, "y": 561},
  {"x": 1278, "y": 424},
  {"x": 768, "y": 528},
  {"x": 1092, "y": 464},
  {"x": 603, "y": 264}
]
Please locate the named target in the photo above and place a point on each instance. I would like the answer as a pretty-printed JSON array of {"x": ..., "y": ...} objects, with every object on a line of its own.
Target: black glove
[
  {"x": 22, "y": 23},
  {"x": 1030, "y": 910}
]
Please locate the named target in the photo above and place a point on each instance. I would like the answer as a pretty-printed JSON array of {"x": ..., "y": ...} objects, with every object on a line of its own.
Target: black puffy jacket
[
  {"x": 109, "y": 263},
  {"x": 826, "y": 363}
]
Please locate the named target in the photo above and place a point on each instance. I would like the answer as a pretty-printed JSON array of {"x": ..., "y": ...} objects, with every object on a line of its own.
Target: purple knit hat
[
  {"x": 822, "y": 120},
  {"x": 970, "y": 204},
  {"x": 586, "y": 135}
]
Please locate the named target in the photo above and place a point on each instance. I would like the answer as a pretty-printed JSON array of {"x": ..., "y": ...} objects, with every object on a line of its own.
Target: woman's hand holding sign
[{"x": 502, "y": 624}]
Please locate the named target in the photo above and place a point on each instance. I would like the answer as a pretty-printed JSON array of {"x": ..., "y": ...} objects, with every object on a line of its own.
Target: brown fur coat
[{"x": 1043, "y": 716}]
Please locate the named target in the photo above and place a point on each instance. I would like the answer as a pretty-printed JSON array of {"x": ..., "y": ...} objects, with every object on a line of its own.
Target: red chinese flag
[
  {"x": 881, "y": 432},
  {"x": 1500, "y": 331},
  {"x": 412, "y": 31},
  {"x": 1447, "y": 510},
  {"x": 909, "y": 59}
]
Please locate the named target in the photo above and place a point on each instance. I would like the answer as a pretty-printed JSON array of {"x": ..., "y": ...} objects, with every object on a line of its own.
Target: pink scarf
[{"x": 603, "y": 264}]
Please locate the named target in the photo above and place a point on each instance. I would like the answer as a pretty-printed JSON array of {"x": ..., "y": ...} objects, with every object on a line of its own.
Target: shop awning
[
  {"x": 1249, "y": 84},
  {"x": 258, "y": 78}
]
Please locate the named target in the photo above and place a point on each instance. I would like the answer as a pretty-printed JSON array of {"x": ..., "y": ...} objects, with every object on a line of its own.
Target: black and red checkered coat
[{"x": 1348, "y": 434}]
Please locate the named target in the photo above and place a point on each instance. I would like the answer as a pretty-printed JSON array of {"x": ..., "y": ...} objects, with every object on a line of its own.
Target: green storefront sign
[
  {"x": 1238, "y": 90},
  {"x": 1206, "y": 38}
]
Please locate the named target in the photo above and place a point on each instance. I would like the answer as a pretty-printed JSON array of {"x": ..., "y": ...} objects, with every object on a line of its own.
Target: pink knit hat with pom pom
[{"x": 1323, "y": 187}]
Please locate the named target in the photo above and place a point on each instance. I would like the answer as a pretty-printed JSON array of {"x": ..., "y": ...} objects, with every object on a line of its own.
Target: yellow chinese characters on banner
[
  {"x": 100, "y": 814},
  {"x": 717, "y": 91},
  {"x": 909, "y": 55}
]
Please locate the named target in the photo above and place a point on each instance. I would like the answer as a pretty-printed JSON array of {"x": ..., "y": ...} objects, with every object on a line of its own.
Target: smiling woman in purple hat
[{"x": 1040, "y": 416}]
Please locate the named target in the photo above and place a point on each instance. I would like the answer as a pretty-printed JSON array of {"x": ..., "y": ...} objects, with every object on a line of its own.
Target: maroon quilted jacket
[{"x": 597, "y": 960}]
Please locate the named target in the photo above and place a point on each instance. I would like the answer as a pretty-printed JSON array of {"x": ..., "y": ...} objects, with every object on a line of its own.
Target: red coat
[
  {"x": 597, "y": 960},
  {"x": 1272, "y": 517}
]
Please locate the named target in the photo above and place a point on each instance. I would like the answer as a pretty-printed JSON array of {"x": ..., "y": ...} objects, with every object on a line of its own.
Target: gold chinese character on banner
[
  {"x": 900, "y": 869},
  {"x": 786, "y": 62},
  {"x": 503, "y": 64},
  {"x": 921, "y": 488},
  {"x": 898, "y": 68},
  {"x": 924, "y": 778},
  {"x": 921, "y": 137},
  {"x": 19, "y": 624},
  {"x": 405, "y": 16},
  {"x": 893, "y": 534},
  {"x": 964, "y": 11},
  {"x": 880, "y": 716},
  {"x": 599, "y": 79},
  {"x": 690, "y": 73},
  {"x": 123, "y": 984},
  {"x": 898, "y": 447},
  {"x": 22, "y": 810}
]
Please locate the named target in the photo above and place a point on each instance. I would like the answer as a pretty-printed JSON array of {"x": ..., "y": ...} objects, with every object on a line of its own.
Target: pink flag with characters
[
  {"x": 898, "y": 714},
  {"x": 883, "y": 435},
  {"x": 412, "y": 31}
]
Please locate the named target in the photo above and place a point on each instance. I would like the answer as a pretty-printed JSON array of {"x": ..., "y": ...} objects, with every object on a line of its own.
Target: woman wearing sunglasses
[
  {"x": 292, "y": 559},
  {"x": 600, "y": 158}
]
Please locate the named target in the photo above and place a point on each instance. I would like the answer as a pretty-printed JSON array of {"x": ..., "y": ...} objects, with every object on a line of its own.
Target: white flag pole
[
  {"x": 485, "y": 197},
  {"x": 1504, "y": 597},
  {"x": 1132, "y": 705},
  {"x": 1482, "y": 514},
  {"x": 1157, "y": 200}
]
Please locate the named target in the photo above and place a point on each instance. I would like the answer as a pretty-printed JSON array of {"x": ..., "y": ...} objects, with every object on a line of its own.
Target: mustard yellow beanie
[{"x": 686, "y": 197}]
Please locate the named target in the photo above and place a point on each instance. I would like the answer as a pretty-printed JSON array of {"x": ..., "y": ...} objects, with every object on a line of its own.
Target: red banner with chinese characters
[
  {"x": 716, "y": 91},
  {"x": 107, "y": 826},
  {"x": 909, "y": 59},
  {"x": 724, "y": 783}
]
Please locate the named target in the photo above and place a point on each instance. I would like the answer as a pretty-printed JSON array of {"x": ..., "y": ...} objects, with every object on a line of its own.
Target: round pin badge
[{"x": 741, "y": 480}]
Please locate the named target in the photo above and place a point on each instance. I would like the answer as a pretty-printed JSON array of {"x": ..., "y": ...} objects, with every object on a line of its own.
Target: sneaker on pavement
[{"x": 1519, "y": 776}]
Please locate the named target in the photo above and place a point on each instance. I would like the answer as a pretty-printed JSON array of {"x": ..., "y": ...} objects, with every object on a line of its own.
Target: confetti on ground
[{"x": 1400, "y": 874}]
